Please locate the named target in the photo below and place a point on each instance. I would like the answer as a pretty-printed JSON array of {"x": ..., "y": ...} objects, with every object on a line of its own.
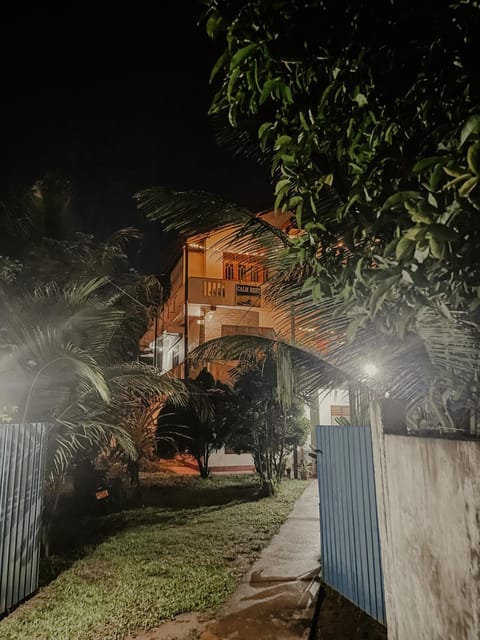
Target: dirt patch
[
  {"x": 187, "y": 626},
  {"x": 339, "y": 619}
]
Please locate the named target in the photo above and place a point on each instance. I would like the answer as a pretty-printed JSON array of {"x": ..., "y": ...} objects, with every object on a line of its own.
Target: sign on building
[{"x": 247, "y": 295}]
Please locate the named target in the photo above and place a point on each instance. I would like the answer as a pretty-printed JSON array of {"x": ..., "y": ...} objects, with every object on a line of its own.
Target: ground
[
  {"x": 179, "y": 554},
  {"x": 339, "y": 619}
]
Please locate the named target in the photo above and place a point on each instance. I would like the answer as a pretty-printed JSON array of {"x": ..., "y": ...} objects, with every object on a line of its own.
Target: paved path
[{"x": 276, "y": 598}]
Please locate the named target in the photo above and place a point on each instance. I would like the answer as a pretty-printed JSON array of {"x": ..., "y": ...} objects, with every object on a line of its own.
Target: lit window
[
  {"x": 229, "y": 271},
  {"x": 242, "y": 272}
]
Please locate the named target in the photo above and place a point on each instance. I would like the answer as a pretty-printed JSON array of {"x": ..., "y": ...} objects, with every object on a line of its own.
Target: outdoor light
[
  {"x": 209, "y": 315},
  {"x": 370, "y": 369}
]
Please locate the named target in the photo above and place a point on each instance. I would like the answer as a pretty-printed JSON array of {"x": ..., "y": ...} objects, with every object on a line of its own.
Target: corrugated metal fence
[
  {"x": 351, "y": 562},
  {"x": 22, "y": 463}
]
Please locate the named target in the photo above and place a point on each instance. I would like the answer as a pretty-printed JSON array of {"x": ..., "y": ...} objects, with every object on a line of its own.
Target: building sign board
[{"x": 247, "y": 294}]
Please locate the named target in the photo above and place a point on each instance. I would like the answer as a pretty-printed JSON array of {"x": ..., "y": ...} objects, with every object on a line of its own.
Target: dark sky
[{"x": 121, "y": 118}]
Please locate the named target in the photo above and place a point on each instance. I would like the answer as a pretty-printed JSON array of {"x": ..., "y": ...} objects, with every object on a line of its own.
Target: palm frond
[
  {"x": 190, "y": 212},
  {"x": 310, "y": 371}
]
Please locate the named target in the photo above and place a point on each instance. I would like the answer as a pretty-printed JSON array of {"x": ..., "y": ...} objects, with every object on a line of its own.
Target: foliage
[
  {"x": 261, "y": 425},
  {"x": 55, "y": 367},
  {"x": 204, "y": 424},
  {"x": 369, "y": 114},
  {"x": 72, "y": 311},
  {"x": 29, "y": 214},
  {"x": 148, "y": 565}
]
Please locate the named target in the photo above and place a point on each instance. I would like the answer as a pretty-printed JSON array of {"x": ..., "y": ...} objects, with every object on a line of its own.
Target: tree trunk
[
  {"x": 267, "y": 489},
  {"x": 203, "y": 469}
]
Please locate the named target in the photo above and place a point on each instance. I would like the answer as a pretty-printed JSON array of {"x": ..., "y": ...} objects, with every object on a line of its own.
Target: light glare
[{"x": 370, "y": 369}]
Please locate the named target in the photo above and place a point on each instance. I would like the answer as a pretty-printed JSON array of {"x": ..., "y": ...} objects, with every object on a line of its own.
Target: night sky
[{"x": 116, "y": 120}]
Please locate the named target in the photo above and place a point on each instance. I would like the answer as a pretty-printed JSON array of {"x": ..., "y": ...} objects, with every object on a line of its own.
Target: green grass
[{"x": 153, "y": 563}]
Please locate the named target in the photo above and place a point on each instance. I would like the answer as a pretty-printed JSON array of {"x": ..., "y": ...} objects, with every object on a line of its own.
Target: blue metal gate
[
  {"x": 22, "y": 462},
  {"x": 351, "y": 562}
]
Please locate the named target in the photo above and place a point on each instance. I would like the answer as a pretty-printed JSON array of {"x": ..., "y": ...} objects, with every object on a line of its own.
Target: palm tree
[{"x": 55, "y": 367}]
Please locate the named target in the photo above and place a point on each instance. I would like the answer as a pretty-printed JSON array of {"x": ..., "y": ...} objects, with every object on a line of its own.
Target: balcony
[{"x": 213, "y": 291}]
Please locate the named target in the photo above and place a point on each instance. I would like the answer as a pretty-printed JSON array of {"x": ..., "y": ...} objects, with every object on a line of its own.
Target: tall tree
[{"x": 369, "y": 115}]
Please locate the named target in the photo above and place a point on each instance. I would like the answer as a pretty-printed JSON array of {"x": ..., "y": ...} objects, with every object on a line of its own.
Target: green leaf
[
  {"x": 414, "y": 233},
  {"x": 263, "y": 128},
  {"x": 473, "y": 158},
  {"x": 381, "y": 293},
  {"x": 454, "y": 171},
  {"x": 426, "y": 163},
  {"x": 442, "y": 232},
  {"x": 282, "y": 185},
  {"x": 436, "y": 178},
  {"x": 218, "y": 65},
  {"x": 231, "y": 82},
  {"x": 361, "y": 99},
  {"x": 472, "y": 125},
  {"x": 407, "y": 277},
  {"x": 437, "y": 247},
  {"x": 418, "y": 216},
  {"x": 241, "y": 54},
  {"x": 468, "y": 186},
  {"x": 267, "y": 89},
  {"x": 213, "y": 23},
  {"x": 404, "y": 247},
  {"x": 308, "y": 284},
  {"x": 286, "y": 93},
  {"x": 303, "y": 121},
  {"x": 399, "y": 198},
  {"x": 298, "y": 215},
  {"x": 282, "y": 141},
  {"x": 295, "y": 201}
]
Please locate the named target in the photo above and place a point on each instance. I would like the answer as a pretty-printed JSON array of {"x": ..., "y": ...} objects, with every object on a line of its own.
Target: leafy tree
[
  {"x": 378, "y": 105},
  {"x": 202, "y": 426},
  {"x": 369, "y": 116},
  {"x": 262, "y": 426}
]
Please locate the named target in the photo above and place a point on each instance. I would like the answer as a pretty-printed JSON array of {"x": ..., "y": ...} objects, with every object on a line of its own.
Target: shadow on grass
[{"x": 78, "y": 528}]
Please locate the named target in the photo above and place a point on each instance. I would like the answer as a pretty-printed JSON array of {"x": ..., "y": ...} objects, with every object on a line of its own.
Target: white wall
[
  {"x": 328, "y": 398},
  {"x": 428, "y": 494},
  {"x": 221, "y": 459}
]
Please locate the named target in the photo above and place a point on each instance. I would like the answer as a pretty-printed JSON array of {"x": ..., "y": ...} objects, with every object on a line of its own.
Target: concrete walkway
[{"x": 276, "y": 598}]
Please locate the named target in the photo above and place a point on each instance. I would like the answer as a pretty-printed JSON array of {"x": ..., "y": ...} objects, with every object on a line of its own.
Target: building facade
[{"x": 215, "y": 291}]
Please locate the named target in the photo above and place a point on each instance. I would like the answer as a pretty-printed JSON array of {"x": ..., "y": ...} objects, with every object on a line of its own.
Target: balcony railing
[{"x": 224, "y": 292}]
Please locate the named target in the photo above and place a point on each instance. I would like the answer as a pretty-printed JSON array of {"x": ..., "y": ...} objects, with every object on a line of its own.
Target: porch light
[{"x": 209, "y": 315}]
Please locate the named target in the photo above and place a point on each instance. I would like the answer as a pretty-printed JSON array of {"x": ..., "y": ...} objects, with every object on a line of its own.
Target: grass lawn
[{"x": 144, "y": 565}]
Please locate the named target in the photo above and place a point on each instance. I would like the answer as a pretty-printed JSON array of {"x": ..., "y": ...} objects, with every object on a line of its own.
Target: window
[
  {"x": 339, "y": 411},
  {"x": 237, "y": 266},
  {"x": 255, "y": 273},
  {"x": 242, "y": 271},
  {"x": 229, "y": 271}
]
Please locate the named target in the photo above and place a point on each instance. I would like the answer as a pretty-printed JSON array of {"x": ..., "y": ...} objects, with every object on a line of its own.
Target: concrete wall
[
  {"x": 220, "y": 461},
  {"x": 428, "y": 494}
]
